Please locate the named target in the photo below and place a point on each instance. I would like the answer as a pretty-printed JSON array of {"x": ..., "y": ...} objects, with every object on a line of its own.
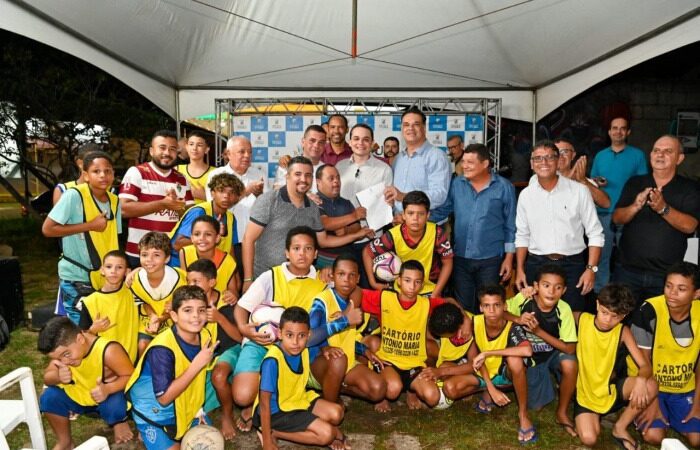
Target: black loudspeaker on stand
[{"x": 11, "y": 296}]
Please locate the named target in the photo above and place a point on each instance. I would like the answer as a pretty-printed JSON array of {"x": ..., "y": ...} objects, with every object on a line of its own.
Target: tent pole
[
  {"x": 534, "y": 116},
  {"x": 354, "y": 29},
  {"x": 177, "y": 113}
]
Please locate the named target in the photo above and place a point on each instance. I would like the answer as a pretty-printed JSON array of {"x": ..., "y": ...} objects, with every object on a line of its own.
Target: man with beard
[
  {"x": 275, "y": 213},
  {"x": 152, "y": 194},
  {"x": 391, "y": 149},
  {"x": 455, "y": 150},
  {"x": 336, "y": 148}
]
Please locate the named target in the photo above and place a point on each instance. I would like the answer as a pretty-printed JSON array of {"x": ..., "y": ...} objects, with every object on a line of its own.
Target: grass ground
[{"x": 459, "y": 427}]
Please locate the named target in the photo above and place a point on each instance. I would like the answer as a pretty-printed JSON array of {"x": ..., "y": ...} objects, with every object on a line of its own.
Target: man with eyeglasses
[
  {"x": 577, "y": 172},
  {"x": 659, "y": 211},
  {"x": 612, "y": 167},
  {"x": 553, "y": 215},
  {"x": 455, "y": 149},
  {"x": 419, "y": 166}
]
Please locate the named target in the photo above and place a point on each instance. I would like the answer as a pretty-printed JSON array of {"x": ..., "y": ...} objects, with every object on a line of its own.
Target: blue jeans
[
  {"x": 469, "y": 275},
  {"x": 644, "y": 284},
  {"x": 573, "y": 267}
]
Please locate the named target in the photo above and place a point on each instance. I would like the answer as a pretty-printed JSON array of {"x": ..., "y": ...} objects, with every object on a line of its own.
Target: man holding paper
[{"x": 483, "y": 204}]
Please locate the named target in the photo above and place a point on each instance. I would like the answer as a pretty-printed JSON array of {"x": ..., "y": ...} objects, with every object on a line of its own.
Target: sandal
[
  {"x": 484, "y": 407},
  {"x": 244, "y": 425},
  {"x": 522, "y": 433},
  {"x": 624, "y": 442},
  {"x": 567, "y": 427}
]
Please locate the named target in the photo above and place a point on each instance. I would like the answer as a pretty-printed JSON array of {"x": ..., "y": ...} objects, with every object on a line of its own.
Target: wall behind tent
[{"x": 275, "y": 136}]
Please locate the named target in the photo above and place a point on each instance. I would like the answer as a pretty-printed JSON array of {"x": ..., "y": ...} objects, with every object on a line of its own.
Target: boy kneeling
[
  {"x": 86, "y": 374},
  {"x": 284, "y": 408}
]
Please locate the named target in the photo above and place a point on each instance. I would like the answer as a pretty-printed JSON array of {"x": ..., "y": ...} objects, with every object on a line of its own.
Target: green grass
[{"x": 459, "y": 427}]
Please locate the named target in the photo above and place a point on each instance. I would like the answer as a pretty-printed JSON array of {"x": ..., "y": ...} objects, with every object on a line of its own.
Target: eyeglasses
[
  {"x": 453, "y": 147},
  {"x": 547, "y": 158},
  {"x": 357, "y": 174}
]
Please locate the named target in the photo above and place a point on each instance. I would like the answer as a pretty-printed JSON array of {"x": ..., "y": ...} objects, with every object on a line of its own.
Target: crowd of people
[{"x": 495, "y": 291}]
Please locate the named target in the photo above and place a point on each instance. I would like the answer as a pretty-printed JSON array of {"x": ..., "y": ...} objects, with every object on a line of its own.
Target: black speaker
[
  {"x": 37, "y": 317},
  {"x": 11, "y": 296}
]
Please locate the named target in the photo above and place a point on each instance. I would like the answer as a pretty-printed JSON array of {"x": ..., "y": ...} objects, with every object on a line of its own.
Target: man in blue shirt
[
  {"x": 612, "y": 167},
  {"x": 484, "y": 207},
  {"x": 420, "y": 166}
]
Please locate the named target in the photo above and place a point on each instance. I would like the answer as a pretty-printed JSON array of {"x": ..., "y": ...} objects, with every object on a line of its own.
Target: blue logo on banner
[
  {"x": 396, "y": 123},
  {"x": 367, "y": 120},
  {"x": 258, "y": 123},
  {"x": 455, "y": 133},
  {"x": 437, "y": 123},
  {"x": 324, "y": 119},
  {"x": 295, "y": 123},
  {"x": 276, "y": 139},
  {"x": 474, "y": 122},
  {"x": 272, "y": 170},
  {"x": 245, "y": 134},
  {"x": 260, "y": 154}
]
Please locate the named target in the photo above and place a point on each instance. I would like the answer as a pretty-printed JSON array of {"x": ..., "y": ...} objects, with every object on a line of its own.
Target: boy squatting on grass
[
  {"x": 600, "y": 348},
  {"x": 86, "y": 374},
  {"x": 495, "y": 359},
  {"x": 222, "y": 326},
  {"x": 167, "y": 388},
  {"x": 284, "y": 409},
  {"x": 666, "y": 329}
]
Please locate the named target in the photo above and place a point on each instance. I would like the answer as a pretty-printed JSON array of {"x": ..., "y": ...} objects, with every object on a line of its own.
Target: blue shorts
[
  {"x": 71, "y": 298},
  {"x": 155, "y": 438},
  {"x": 500, "y": 379},
  {"x": 540, "y": 389},
  {"x": 675, "y": 407},
  {"x": 250, "y": 358},
  {"x": 54, "y": 400}
]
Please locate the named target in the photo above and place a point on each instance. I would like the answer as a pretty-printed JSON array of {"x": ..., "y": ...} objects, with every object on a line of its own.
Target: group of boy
[{"x": 371, "y": 344}]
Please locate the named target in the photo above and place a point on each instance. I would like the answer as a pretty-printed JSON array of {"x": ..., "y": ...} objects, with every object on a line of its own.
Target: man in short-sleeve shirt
[
  {"x": 153, "y": 194},
  {"x": 659, "y": 211}
]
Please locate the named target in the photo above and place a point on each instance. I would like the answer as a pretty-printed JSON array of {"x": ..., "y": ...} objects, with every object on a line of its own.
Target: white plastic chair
[
  {"x": 94, "y": 443},
  {"x": 672, "y": 444},
  {"x": 14, "y": 412}
]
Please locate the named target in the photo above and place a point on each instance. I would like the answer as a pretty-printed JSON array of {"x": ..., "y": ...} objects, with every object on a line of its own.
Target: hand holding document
[{"x": 378, "y": 211}]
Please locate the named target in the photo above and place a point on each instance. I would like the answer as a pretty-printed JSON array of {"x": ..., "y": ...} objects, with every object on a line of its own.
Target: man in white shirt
[
  {"x": 239, "y": 153},
  {"x": 552, "y": 217}
]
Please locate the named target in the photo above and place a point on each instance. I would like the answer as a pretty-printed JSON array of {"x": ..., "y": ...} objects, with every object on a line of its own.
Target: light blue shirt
[
  {"x": 427, "y": 170},
  {"x": 484, "y": 221},
  {"x": 617, "y": 168},
  {"x": 69, "y": 211}
]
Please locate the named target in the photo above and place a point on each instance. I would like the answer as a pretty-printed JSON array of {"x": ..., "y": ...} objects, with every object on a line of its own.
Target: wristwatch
[
  {"x": 664, "y": 211},
  {"x": 593, "y": 269}
]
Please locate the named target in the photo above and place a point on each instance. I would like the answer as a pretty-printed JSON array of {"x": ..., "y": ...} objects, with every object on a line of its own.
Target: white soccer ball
[
  {"x": 202, "y": 437},
  {"x": 444, "y": 402},
  {"x": 267, "y": 316},
  {"x": 386, "y": 267}
]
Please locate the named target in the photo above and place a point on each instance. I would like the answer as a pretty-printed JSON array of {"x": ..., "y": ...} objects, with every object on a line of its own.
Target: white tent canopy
[{"x": 534, "y": 54}]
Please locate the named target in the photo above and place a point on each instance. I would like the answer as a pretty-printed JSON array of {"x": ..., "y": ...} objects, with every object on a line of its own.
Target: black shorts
[
  {"x": 619, "y": 403},
  {"x": 407, "y": 376},
  {"x": 288, "y": 421}
]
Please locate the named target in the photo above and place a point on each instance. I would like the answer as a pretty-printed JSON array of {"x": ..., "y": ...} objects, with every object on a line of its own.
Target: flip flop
[
  {"x": 621, "y": 442},
  {"x": 244, "y": 425},
  {"x": 532, "y": 439},
  {"x": 567, "y": 426},
  {"x": 484, "y": 407}
]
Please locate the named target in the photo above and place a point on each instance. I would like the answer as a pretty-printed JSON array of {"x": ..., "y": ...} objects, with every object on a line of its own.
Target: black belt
[{"x": 556, "y": 256}]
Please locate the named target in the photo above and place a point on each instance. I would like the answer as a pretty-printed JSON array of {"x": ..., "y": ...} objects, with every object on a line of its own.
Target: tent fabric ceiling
[{"x": 181, "y": 54}]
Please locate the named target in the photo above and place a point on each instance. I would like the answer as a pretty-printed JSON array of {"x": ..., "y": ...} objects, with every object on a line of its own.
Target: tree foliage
[{"x": 50, "y": 96}]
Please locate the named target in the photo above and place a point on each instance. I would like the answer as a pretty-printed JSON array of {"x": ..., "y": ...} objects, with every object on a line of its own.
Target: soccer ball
[
  {"x": 267, "y": 316},
  {"x": 444, "y": 402},
  {"x": 386, "y": 266},
  {"x": 202, "y": 437}
]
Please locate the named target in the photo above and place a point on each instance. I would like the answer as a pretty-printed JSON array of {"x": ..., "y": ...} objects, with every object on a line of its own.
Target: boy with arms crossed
[{"x": 86, "y": 374}]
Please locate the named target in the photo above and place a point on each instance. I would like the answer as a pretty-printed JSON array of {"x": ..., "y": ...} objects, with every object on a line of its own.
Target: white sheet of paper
[
  {"x": 691, "y": 255},
  {"x": 378, "y": 211}
]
